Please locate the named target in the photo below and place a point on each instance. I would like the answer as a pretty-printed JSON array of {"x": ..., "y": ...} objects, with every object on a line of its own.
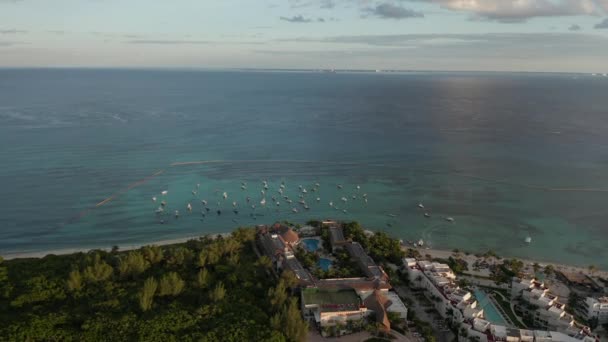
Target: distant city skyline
[{"x": 484, "y": 35}]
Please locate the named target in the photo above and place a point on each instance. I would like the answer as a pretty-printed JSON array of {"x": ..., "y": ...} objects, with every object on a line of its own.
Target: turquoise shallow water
[
  {"x": 493, "y": 151},
  {"x": 489, "y": 310}
]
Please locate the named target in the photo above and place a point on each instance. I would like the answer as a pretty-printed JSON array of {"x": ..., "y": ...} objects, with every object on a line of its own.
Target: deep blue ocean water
[{"x": 506, "y": 155}]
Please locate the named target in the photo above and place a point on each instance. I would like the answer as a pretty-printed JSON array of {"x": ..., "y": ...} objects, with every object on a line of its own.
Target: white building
[
  {"x": 597, "y": 308},
  {"x": 439, "y": 282}
]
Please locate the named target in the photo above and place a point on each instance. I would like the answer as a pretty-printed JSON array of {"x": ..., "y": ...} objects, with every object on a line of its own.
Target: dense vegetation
[
  {"x": 381, "y": 247},
  {"x": 202, "y": 290}
]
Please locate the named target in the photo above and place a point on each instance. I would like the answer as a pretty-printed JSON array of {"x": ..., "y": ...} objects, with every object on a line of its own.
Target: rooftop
[{"x": 331, "y": 300}]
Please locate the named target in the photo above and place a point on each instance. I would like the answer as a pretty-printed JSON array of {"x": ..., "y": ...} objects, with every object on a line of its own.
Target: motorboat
[
  {"x": 420, "y": 205},
  {"x": 449, "y": 219},
  {"x": 164, "y": 192},
  {"x": 427, "y": 215},
  {"x": 528, "y": 239},
  {"x": 154, "y": 199},
  {"x": 225, "y": 195},
  {"x": 189, "y": 206}
]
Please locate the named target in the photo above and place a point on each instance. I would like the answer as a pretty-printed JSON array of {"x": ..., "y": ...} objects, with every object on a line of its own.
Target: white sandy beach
[{"x": 41, "y": 254}]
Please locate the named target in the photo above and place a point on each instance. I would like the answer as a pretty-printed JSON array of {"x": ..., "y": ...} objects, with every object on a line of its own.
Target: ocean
[{"x": 507, "y": 156}]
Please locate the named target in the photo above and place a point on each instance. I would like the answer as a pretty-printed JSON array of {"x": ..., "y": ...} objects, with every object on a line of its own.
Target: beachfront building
[
  {"x": 485, "y": 331},
  {"x": 277, "y": 243},
  {"x": 542, "y": 305},
  {"x": 596, "y": 308},
  {"x": 439, "y": 284}
]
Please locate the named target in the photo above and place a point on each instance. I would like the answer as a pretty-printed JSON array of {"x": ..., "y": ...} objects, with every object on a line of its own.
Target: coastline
[
  {"x": 435, "y": 253},
  {"x": 66, "y": 251},
  {"x": 470, "y": 259}
]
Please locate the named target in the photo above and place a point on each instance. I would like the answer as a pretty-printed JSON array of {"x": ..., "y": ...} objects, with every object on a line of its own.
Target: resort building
[
  {"x": 345, "y": 308},
  {"x": 336, "y": 238},
  {"x": 331, "y": 308},
  {"x": 438, "y": 281},
  {"x": 277, "y": 243},
  {"x": 545, "y": 308},
  {"x": 596, "y": 308},
  {"x": 485, "y": 331},
  {"x": 338, "y": 305},
  {"x": 365, "y": 262}
]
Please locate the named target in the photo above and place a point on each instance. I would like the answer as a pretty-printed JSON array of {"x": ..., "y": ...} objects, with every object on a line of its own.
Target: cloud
[
  {"x": 574, "y": 27},
  {"x": 328, "y": 4},
  {"x": 296, "y": 19},
  {"x": 602, "y": 25},
  {"x": 12, "y": 31},
  {"x": 389, "y": 11},
  {"x": 511, "y": 11}
]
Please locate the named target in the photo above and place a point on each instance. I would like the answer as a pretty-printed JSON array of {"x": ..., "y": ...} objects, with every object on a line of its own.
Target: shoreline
[
  {"x": 470, "y": 259},
  {"x": 67, "y": 251},
  {"x": 434, "y": 252}
]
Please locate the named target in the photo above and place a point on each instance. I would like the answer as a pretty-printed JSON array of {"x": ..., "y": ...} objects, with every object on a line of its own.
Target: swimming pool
[
  {"x": 489, "y": 310},
  {"x": 325, "y": 264},
  {"x": 311, "y": 244}
]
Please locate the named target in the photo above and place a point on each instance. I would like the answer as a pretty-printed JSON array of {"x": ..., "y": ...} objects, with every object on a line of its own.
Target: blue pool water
[
  {"x": 311, "y": 244},
  {"x": 325, "y": 264},
  {"x": 490, "y": 312}
]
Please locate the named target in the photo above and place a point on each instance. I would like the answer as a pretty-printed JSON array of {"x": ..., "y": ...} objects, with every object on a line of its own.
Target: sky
[{"x": 484, "y": 35}]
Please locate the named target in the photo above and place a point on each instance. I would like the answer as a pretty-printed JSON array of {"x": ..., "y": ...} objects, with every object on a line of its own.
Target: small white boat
[
  {"x": 306, "y": 207},
  {"x": 263, "y": 192},
  {"x": 294, "y": 210},
  {"x": 154, "y": 199},
  {"x": 189, "y": 207},
  {"x": 420, "y": 205},
  {"x": 392, "y": 215},
  {"x": 331, "y": 204},
  {"x": 354, "y": 196},
  {"x": 344, "y": 199},
  {"x": 163, "y": 203},
  {"x": 159, "y": 210},
  {"x": 177, "y": 213},
  {"x": 198, "y": 185},
  {"x": 193, "y": 193},
  {"x": 318, "y": 199},
  {"x": 253, "y": 206},
  {"x": 278, "y": 204},
  {"x": 204, "y": 202},
  {"x": 243, "y": 187},
  {"x": 234, "y": 204},
  {"x": 225, "y": 195},
  {"x": 449, "y": 219},
  {"x": 339, "y": 186},
  {"x": 164, "y": 192},
  {"x": 289, "y": 201},
  {"x": 282, "y": 186},
  {"x": 365, "y": 200},
  {"x": 364, "y": 195},
  {"x": 427, "y": 215},
  {"x": 420, "y": 243},
  {"x": 528, "y": 239},
  {"x": 303, "y": 202},
  {"x": 304, "y": 191},
  {"x": 358, "y": 187},
  {"x": 317, "y": 185},
  {"x": 344, "y": 211},
  {"x": 263, "y": 201}
]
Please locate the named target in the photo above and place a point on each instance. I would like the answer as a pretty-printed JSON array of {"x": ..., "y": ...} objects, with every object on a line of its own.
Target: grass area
[{"x": 506, "y": 306}]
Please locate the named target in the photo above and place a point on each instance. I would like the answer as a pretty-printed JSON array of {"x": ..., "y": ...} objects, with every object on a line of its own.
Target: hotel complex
[
  {"x": 341, "y": 304},
  {"x": 462, "y": 307}
]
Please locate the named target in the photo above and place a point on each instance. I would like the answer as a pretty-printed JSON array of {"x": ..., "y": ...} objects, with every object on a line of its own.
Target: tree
[
  {"x": 99, "y": 271},
  {"x": 153, "y": 254},
  {"x": 218, "y": 293},
  {"x": 170, "y": 285},
  {"x": 264, "y": 262},
  {"x": 277, "y": 295},
  {"x": 146, "y": 295},
  {"x": 133, "y": 264},
  {"x": 549, "y": 270},
  {"x": 289, "y": 278},
  {"x": 202, "y": 259},
  {"x": 294, "y": 328},
  {"x": 592, "y": 269},
  {"x": 202, "y": 279},
  {"x": 74, "y": 282}
]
